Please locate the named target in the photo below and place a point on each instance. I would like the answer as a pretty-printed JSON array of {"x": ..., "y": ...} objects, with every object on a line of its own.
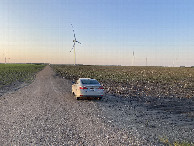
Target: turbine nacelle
[{"x": 75, "y": 41}]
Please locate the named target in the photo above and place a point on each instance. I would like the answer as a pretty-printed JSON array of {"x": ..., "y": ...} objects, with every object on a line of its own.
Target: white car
[{"x": 87, "y": 87}]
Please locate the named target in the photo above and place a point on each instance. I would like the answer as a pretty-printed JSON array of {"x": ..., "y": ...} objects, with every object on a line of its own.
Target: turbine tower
[
  {"x": 75, "y": 41},
  {"x": 133, "y": 58}
]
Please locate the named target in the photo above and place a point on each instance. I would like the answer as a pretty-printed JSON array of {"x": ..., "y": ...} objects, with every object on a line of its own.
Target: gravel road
[{"x": 45, "y": 113}]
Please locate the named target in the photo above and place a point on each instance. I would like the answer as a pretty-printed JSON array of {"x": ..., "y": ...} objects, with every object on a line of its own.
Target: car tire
[
  {"x": 78, "y": 98},
  {"x": 100, "y": 98}
]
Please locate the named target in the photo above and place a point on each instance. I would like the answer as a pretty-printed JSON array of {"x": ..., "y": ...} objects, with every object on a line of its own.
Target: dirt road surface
[{"x": 45, "y": 113}]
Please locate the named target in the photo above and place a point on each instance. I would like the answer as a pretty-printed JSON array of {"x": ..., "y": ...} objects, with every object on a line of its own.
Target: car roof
[{"x": 84, "y": 78}]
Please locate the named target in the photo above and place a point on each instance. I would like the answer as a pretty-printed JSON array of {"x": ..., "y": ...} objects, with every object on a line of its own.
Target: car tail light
[
  {"x": 100, "y": 87},
  {"x": 83, "y": 88}
]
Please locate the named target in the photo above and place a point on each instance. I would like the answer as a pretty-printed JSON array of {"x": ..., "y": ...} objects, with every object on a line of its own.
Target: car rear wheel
[{"x": 78, "y": 98}]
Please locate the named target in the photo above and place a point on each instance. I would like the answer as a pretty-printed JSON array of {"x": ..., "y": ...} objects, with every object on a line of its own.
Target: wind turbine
[
  {"x": 75, "y": 41},
  {"x": 133, "y": 58}
]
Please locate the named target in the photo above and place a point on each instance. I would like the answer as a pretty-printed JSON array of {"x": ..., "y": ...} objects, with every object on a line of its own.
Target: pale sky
[{"x": 110, "y": 31}]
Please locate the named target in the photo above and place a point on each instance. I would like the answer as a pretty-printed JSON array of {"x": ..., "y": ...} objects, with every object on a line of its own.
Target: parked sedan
[{"x": 87, "y": 87}]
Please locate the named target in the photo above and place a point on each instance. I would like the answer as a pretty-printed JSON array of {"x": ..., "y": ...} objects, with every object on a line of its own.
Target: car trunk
[{"x": 92, "y": 90}]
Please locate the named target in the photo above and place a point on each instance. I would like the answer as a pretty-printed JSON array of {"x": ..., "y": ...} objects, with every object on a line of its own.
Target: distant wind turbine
[
  {"x": 75, "y": 41},
  {"x": 6, "y": 60},
  {"x": 133, "y": 58}
]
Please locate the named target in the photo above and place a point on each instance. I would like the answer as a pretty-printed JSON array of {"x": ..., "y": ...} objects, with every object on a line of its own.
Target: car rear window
[{"x": 89, "y": 82}]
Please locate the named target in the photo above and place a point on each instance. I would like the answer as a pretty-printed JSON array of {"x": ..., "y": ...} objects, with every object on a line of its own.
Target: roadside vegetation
[
  {"x": 136, "y": 81},
  {"x": 176, "y": 143},
  {"x": 11, "y": 74}
]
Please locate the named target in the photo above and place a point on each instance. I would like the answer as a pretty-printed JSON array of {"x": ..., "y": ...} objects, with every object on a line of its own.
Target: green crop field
[
  {"x": 136, "y": 81},
  {"x": 12, "y": 73}
]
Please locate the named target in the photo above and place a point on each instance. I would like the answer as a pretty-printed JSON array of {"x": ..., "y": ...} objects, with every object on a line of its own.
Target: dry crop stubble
[{"x": 136, "y": 81}]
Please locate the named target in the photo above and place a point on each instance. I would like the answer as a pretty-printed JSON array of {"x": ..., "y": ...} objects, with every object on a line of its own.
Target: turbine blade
[
  {"x": 73, "y": 31},
  {"x": 72, "y": 47},
  {"x": 78, "y": 42}
]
